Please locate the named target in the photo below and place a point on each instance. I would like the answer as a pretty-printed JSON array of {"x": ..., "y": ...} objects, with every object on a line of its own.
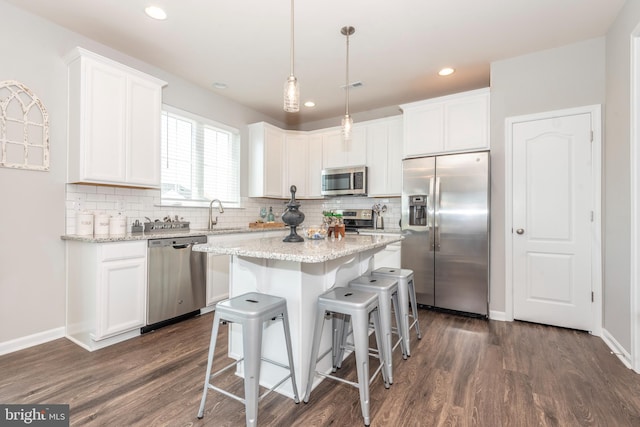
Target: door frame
[{"x": 596, "y": 227}]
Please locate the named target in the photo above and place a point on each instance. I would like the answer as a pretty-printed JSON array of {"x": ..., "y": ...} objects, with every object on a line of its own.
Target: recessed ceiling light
[
  {"x": 309, "y": 104},
  {"x": 220, "y": 85},
  {"x": 155, "y": 12},
  {"x": 446, "y": 71}
]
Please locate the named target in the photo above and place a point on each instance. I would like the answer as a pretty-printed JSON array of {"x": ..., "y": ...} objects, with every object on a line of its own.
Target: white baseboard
[
  {"x": 31, "y": 340},
  {"x": 616, "y": 348},
  {"x": 498, "y": 315}
]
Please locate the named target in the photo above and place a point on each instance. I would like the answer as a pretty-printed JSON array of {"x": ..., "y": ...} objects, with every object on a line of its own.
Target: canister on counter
[
  {"x": 84, "y": 224},
  {"x": 117, "y": 226},
  {"x": 101, "y": 225}
]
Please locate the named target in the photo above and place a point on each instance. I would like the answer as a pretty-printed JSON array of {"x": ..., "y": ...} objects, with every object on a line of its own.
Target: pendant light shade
[
  {"x": 347, "y": 120},
  {"x": 291, "y": 88}
]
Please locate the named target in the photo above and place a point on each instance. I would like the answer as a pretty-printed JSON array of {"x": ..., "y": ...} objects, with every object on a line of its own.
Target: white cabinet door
[
  {"x": 103, "y": 119},
  {"x": 303, "y": 167},
  {"x": 423, "y": 129},
  {"x": 143, "y": 138},
  {"x": 297, "y": 154},
  {"x": 314, "y": 167},
  {"x": 453, "y": 123},
  {"x": 467, "y": 123},
  {"x": 384, "y": 157},
  {"x": 217, "y": 278},
  {"x": 337, "y": 153},
  {"x": 394, "y": 157},
  {"x": 121, "y": 296},
  {"x": 114, "y": 123},
  {"x": 266, "y": 160}
]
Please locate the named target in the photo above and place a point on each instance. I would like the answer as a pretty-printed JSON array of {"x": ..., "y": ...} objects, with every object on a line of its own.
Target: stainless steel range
[{"x": 357, "y": 219}]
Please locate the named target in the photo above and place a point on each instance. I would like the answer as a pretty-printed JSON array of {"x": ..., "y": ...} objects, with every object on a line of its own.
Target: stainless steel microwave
[{"x": 344, "y": 181}]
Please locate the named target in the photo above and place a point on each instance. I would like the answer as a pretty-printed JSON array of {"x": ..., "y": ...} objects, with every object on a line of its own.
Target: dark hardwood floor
[{"x": 464, "y": 372}]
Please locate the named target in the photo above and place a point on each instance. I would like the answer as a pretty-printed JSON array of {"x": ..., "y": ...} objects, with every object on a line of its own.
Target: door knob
[{"x": 520, "y": 231}]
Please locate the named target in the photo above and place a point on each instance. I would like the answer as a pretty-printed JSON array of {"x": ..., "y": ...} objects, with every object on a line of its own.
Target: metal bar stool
[
  {"x": 406, "y": 288},
  {"x": 250, "y": 310},
  {"x": 359, "y": 307},
  {"x": 387, "y": 291}
]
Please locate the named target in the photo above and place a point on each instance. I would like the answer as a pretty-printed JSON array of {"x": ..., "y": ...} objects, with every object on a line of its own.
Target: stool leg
[
  {"x": 252, "y": 348},
  {"x": 287, "y": 337},
  {"x": 396, "y": 311},
  {"x": 342, "y": 339},
  {"x": 403, "y": 300},
  {"x": 385, "y": 323},
  {"x": 360, "y": 324},
  {"x": 337, "y": 326},
  {"x": 414, "y": 308},
  {"x": 212, "y": 349},
  {"x": 375, "y": 317},
  {"x": 317, "y": 335}
]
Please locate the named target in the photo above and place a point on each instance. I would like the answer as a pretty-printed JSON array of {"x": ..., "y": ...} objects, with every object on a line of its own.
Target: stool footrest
[
  {"x": 352, "y": 383},
  {"x": 238, "y": 398}
]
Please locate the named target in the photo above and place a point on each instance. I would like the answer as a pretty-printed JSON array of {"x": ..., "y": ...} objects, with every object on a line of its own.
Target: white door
[{"x": 552, "y": 218}]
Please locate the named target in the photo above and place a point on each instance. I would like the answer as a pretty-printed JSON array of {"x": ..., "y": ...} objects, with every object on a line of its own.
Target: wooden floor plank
[{"x": 464, "y": 372}]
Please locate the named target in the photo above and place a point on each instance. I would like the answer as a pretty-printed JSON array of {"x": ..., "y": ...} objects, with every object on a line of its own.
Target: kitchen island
[{"x": 298, "y": 272}]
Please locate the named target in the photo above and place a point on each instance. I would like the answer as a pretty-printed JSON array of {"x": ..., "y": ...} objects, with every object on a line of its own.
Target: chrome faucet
[{"x": 212, "y": 221}]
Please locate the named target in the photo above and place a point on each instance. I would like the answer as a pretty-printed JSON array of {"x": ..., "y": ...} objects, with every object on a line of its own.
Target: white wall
[
  {"x": 617, "y": 227},
  {"x": 564, "y": 77}
]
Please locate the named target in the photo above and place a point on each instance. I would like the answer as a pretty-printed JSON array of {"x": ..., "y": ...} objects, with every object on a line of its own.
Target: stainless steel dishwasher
[{"x": 176, "y": 280}]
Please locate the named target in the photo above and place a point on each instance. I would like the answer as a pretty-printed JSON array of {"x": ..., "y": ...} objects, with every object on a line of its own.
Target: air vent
[{"x": 353, "y": 85}]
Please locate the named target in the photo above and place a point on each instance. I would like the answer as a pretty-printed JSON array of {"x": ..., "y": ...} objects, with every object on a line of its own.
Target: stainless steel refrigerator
[{"x": 445, "y": 222}]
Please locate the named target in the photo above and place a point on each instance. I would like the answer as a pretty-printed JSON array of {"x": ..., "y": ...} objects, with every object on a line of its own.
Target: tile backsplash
[{"x": 138, "y": 204}]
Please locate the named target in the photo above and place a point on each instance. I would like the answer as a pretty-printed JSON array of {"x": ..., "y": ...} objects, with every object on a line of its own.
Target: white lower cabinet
[{"x": 106, "y": 292}]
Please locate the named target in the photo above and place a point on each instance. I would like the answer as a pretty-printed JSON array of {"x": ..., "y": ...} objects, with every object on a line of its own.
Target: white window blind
[{"x": 200, "y": 160}]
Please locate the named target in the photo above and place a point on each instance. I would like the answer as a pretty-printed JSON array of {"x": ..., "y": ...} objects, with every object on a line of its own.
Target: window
[{"x": 200, "y": 160}]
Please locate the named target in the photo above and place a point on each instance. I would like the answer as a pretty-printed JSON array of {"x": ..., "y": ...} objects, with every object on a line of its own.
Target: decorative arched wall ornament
[{"x": 24, "y": 128}]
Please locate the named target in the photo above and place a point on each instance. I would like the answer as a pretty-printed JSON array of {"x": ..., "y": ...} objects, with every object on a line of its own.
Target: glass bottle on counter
[{"x": 270, "y": 216}]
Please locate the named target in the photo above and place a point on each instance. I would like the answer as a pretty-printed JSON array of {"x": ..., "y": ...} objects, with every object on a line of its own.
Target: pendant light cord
[
  {"x": 292, "y": 42},
  {"x": 347, "y": 77}
]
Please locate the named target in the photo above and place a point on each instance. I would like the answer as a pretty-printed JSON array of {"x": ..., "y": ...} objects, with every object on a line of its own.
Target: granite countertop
[
  {"x": 310, "y": 251},
  {"x": 160, "y": 235}
]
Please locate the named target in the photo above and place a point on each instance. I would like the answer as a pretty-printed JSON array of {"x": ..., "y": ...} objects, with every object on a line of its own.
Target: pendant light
[
  {"x": 347, "y": 121},
  {"x": 291, "y": 89}
]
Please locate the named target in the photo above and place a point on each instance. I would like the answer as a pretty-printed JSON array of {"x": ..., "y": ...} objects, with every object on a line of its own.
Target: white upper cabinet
[
  {"x": 337, "y": 153},
  {"x": 266, "y": 160},
  {"x": 451, "y": 123},
  {"x": 303, "y": 156},
  {"x": 114, "y": 123},
  {"x": 384, "y": 156},
  {"x": 279, "y": 159}
]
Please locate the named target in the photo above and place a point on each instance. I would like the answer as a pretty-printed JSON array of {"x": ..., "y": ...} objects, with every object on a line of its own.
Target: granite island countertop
[{"x": 309, "y": 251}]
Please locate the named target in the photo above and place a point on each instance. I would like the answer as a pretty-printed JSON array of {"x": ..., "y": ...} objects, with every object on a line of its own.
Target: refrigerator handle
[
  {"x": 430, "y": 215},
  {"x": 436, "y": 216}
]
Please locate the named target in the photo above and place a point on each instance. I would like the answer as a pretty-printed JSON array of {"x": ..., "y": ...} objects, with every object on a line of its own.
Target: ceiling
[{"x": 396, "y": 51}]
